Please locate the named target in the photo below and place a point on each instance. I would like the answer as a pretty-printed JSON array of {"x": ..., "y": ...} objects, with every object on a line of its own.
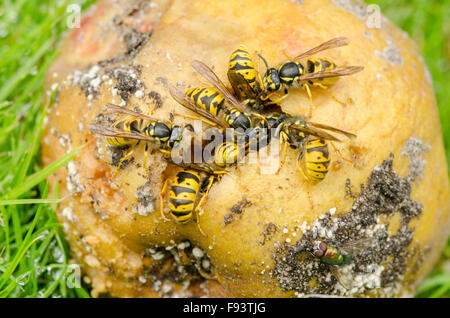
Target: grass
[{"x": 34, "y": 258}]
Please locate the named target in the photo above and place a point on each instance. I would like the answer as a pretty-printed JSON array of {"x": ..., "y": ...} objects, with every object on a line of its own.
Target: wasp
[
  {"x": 319, "y": 72},
  {"x": 236, "y": 117},
  {"x": 190, "y": 188},
  {"x": 246, "y": 80},
  {"x": 137, "y": 128},
  {"x": 239, "y": 116},
  {"x": 310, "y": 137},
  {"x": 184, "y": 195},
  {"x": 335, "y": 257}
]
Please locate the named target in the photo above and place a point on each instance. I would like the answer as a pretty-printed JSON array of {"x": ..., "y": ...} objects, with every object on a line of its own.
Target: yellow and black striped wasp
[
  {"x": 212, "y": 100},
  {"x": 319, "y": 72},
  {"x": 290, "y": 130},
  {"x": 312, "y": 140},
  {"x": 225, "y": 152},
  {"x": 189, "y": 189},
  {"x": 208, "y": 102},
  {"x": 246, "y": 80},
  {"x": 135, "y": 128},
  {"x": 184, "y": 195}
]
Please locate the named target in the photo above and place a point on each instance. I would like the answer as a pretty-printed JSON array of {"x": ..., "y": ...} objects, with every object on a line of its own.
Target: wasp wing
[
  {"x": 183, "y": 100},
  {"x": 336, "y": 42},
  {"x": 211, "y": 77},
  {"x": 314, "y": 132},
  {"x": 123, "y": 110},
  {"x": 331, "y": 128},
  {"x": 337, "y": 72},
  {"x": 241, "y": 87},
  {"x": 114, "y": 133}
]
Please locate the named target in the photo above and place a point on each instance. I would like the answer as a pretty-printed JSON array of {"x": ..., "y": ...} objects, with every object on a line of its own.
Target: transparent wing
[
  {"x": 123, "y": 110},
  {"x": 331, "y": 128},
  {"x": 358, "y": 246},
  {"x": 337, "y": 72},
  {"x": 211, "y": 77},
  {"x": 314, "y": 132},
  {"x": 183, "y": 100},
  {"x": 339, "y": 278},
  {"x": 114, "y": 133},
  {"x": 336, "y": 42},
  {"x": 240, "y": 86}
]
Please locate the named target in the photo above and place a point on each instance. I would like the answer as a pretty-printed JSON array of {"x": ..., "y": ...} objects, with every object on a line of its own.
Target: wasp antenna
[{"x": 264, "y": 60}]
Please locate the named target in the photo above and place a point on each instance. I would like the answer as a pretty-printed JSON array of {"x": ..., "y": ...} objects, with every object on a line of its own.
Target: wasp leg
[
  {"x": 222, "y": 172},
  {"x": 327, "y": 89},
  {"x": 128, "y": 155},
  {"x": 161, "y": 199},
  {"x": 339, "y": 153},
  {"x": 279, "y": 100},
  {"x": 201, "y": 203},
  {"x": 166, "y": 152},
  {"x": 311, "y": 106},
  {"x": 305, "y": 181},
  {"x": 285, "y": 143},
  {"x": 145, "y": 158},
  {"x": 262, "y": 118}
]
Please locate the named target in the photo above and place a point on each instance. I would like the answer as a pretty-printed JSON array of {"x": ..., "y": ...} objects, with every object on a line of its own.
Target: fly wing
[
  {"x": 336, "y": 42},
  {"x": 358, "y": 246},
  {"x": 338, "y": 276}
]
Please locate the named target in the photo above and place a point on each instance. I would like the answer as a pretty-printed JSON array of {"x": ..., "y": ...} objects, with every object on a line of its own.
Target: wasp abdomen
[
  {"x": 208, "y": 99},
  {"x": 315, "y": 160},
  {"x": 182, "y": 195},
  {"x": 242, "y": 63}
]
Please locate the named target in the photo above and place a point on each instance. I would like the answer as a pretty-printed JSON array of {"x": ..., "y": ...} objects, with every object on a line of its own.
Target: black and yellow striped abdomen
[
  {"x": 206, "y": 98},
  {"x": 183, "y": 194},
  {"x": 241, "y": 62},
  {"x": 127, "y": 125},
  {"x": 228, "y": 154},
  {"x": 316, "y": 65},
  {"x": 314, "y": 160}
]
